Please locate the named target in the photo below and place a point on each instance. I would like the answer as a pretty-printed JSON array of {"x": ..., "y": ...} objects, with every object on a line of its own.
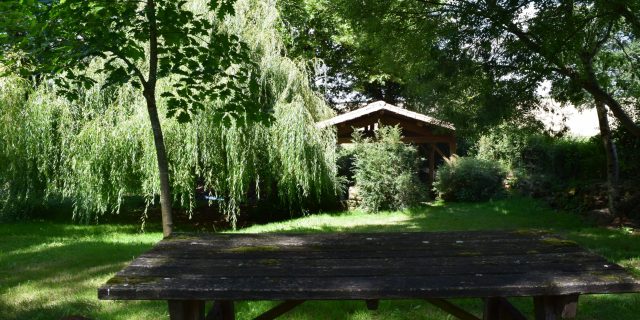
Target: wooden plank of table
[
  {"x": 461, "y": 259},
  {"x": 187, "y": 251},
  {"x": 366, "y": 266},
  {"x": 235, "y": 243},
  {"x": 385, "y": 287},
  {"x": 262, "y": 253},
  {"x": 274, "y": 268}
]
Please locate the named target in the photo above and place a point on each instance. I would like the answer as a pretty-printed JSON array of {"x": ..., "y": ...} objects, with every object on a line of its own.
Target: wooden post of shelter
[{"x": 432, "y": 163}]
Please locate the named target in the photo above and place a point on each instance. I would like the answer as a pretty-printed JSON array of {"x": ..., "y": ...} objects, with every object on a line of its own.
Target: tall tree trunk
[
  {"x": 592, "y": 86},
  {"x": 613, "y": 175},
  {"x": 163, "y": 165},
  {"x": 158, "y": 139}
]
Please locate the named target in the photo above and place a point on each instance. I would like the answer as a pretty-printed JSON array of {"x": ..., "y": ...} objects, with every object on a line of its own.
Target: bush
[
  {"x": 385, "y": 171},
  {"x": 345, "y": 163},
  {"x": 570, "y": 173},
  {"x": 469, "y": 179},
  {"x": 536, "y": 185},
  {"x": 538, "y": 153},
  {"x": 628, "y": 152}
]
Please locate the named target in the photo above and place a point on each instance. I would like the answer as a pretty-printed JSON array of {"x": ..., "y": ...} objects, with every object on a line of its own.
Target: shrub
[
  {"x": 569, "y": 172},
  {"x": 536, "y": 185},
  {"x": 385, "y": 171},
  {"x": 469, "y": 179},
  {"x": 539, "y": 154},
  {"x": 345, "y": 162},
  {"x": 628, "y": 152}
]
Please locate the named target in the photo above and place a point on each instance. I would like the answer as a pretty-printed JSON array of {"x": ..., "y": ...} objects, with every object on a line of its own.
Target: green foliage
[
  {"x": 423, "y": 55},
  {"x": 317, "y": 31},
  {"x": 346, "y": 157},
  {"x": 22, "y": 167},
  {"x": 163, "y": 38},
  {"x": 478, "y": 63},
  {"x": 628, "y": 147},
  {"x": 469, "y": 179},
  {"x": 386, "y": 171},
  {"x": 536, "y": 154},
  {"x": 569, "y": 172},
  {"x": 534, "y": 184},
  {"x": 97, "y": 150}
]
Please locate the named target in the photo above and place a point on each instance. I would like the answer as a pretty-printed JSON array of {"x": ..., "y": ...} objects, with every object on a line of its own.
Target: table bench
[{"x": 190, "y": 270}]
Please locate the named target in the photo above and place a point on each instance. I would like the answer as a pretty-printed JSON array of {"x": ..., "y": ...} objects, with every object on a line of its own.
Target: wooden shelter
[{"x": 434, "y": 138}]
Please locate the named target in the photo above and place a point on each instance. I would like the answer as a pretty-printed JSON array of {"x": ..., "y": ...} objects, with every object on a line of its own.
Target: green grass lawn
[{"x": 51, "y": 270}]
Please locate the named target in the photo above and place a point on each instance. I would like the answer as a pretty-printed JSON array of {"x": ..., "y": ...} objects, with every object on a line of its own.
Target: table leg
[
  {"x": 556, "y": 307},
  {"x": 491, "y": 309},
  {"x": 498, "y": 308},
  {"x": 186, "y": 310},
  {"x": 222, "y": 310},
  {"x": 228, "y": 310},
  {"x": 372, "y": 304}
]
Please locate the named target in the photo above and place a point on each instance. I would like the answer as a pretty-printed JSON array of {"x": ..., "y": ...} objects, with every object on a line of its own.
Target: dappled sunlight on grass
[
  {"x": 614, "y": 244},
  {"x": 48, "y": 271},
  {"x": 430, "y": 217},
  {"x": 39, "y": 247},
  {"x": 344, "y": 222}
]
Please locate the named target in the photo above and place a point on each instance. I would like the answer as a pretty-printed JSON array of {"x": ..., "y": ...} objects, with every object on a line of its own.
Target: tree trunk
[
  {"x": 588, "y": 82},
  {"x": 613, "y": 175},
  {"x": 158, "y": 139},
  {"x": 592, "y": 86},
  {"x": 601, "y": 96},
  {"x": 163, "y": 165}
]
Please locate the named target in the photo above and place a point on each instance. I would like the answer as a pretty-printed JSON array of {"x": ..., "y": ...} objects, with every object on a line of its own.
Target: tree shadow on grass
[
  {"x": 18, "y": 236},
  {"x": 516, "y": 213},
  {"x": 53, "y": 271},
  {"x": 49, "y": 271}
]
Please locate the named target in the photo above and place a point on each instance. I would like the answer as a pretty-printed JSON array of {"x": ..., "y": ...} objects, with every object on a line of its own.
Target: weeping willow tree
[{"x": 97, "y": 150}]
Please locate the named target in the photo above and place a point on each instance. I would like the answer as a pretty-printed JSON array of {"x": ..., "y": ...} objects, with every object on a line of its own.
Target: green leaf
[
  {"x": 96, "y": 9},
  {"x": 183, "y": 117}
]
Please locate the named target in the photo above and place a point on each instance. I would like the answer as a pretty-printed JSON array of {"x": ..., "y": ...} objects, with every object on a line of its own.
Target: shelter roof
[{"x": 378, "y": 106}]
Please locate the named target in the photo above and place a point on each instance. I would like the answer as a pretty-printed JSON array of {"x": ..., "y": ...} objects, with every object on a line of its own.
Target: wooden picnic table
[{"x": 189, "y": 270}]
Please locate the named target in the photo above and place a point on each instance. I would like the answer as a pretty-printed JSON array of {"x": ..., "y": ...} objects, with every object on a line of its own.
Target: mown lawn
[{"x": 51, "y": 270}]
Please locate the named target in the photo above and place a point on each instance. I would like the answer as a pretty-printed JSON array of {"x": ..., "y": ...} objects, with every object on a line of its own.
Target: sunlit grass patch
[{"x": 49, "y": 270}]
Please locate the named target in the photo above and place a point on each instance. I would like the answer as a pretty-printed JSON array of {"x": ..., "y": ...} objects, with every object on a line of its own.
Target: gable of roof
[{"x": 383, "y": 106}]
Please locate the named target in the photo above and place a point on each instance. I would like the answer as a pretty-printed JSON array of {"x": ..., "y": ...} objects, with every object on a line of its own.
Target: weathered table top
[{"x": 365, "y": 266}]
